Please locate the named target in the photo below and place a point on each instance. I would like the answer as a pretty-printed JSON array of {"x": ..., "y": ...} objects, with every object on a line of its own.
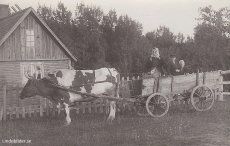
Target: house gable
[{"x": 46, "y": 45}]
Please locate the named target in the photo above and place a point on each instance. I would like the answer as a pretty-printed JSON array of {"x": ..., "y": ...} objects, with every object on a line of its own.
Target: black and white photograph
[{"x": 114, "y": 72}]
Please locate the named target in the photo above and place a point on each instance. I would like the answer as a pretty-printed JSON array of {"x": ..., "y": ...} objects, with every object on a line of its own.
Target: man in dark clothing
[{"x": 172, "y": 67}]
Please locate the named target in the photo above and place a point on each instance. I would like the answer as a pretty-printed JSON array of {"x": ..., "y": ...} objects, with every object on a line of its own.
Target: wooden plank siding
[
  {"x": 188, "y": 82},
  {"x": 15, "y": 53},
  {"x": 46, "y": 47},
  {"x": 10, "y": 74}
]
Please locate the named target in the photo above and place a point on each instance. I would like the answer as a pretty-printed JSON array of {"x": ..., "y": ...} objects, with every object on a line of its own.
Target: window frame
[{"x": 30, "y": 38}]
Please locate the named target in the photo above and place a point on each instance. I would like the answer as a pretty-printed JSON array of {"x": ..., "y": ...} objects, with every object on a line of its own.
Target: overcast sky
[{"x": 177, "y": 15}]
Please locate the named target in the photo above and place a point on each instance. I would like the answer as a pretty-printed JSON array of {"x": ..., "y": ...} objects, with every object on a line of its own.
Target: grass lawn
[{"x": 176, "y": 128}]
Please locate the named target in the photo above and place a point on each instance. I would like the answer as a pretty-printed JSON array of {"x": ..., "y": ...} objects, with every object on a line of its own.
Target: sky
[{"x": 178, "y": 15}]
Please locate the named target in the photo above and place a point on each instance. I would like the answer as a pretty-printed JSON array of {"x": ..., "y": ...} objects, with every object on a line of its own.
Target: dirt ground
[{"x": 177, "y": 128}]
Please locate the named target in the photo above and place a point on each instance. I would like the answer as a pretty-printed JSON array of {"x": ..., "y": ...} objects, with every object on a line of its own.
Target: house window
[
  {"x": 35, "y": 70},
  {"x": 29, "y": 38}
]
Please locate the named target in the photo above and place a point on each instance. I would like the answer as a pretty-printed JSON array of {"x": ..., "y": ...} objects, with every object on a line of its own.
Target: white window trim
[{"x": 30, "y": 35}]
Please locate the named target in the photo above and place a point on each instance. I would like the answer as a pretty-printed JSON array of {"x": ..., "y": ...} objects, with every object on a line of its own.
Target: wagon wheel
[
  {"x": 202, "y": 98},
  {"x": 157, "y": 105},
  {"x": 141, "y": 110}
]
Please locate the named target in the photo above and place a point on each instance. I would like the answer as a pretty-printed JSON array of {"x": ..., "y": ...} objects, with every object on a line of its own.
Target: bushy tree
[
  {"x": 212, "y": 36},
  {"x": 107, "y": 40}
]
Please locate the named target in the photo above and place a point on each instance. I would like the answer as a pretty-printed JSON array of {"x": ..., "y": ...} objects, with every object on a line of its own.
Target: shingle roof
[{"x": 10, "y": 23}]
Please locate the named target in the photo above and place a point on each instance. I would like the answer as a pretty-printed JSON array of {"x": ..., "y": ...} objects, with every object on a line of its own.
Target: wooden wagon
[{"x": 155, "y": 94}]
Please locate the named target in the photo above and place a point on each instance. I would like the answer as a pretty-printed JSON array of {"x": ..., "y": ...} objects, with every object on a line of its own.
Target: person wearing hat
[
  {"x": 172, "y": 67},
  {"x": 156, "y": 64}
]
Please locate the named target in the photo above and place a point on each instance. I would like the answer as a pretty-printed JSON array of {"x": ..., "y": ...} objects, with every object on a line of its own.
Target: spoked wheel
[
  {"x": 141, "y": 110},
  {"x": 157, "y": 105},
  {"x": 202, "y": 98}
]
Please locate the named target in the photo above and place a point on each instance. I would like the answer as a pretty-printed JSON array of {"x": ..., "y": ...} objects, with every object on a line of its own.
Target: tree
[
  {"x": 59, "y": 21},
  {"x": 127, "y": 33},
  {"x": 212, "y": 35},
  {"x": 88, "y": 39},
  {"x": 161, "y": 38},
  {"x": 108, "y": 28},
  {"x": 165, "y": 40}
]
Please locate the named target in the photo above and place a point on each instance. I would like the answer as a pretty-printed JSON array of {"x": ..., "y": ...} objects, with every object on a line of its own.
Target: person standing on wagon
[
  {"x": 156, "y": 64},
  {"x": 172, "y": 66}
]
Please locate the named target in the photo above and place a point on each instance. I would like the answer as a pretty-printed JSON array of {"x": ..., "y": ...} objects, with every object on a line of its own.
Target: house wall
[
  {"x": 46, "y": 47},
  {"x": 14, "y": 53},
  {"x": 10, "y": 75}
]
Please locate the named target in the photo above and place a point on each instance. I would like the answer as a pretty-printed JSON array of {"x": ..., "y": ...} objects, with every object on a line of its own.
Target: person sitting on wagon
[
  {"x": 183, "y": 69},
  {"x": 172, "y": 66},
  {"x": 156, "y": 64}
]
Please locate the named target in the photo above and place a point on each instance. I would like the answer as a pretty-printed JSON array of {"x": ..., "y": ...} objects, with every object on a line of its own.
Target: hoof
[
  {"x": 66, "y": 124},
  {"x": 110, "y": 121}
]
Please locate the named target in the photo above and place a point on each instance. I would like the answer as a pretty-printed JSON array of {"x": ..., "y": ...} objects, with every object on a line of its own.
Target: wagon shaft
[{"x": 96, "y": 95}]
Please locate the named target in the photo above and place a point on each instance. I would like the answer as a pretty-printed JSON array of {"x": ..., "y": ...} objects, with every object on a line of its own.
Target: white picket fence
[{"x": 11, "y": 107}]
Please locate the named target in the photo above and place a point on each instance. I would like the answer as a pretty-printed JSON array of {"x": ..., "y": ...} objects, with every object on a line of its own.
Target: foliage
[
  {"x": 108, "y": 40},
  {"x": 212, "y": 36}
]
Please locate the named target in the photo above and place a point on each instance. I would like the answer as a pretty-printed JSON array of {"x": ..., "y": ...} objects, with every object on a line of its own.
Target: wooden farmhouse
[{"x": 27, "y": 44}]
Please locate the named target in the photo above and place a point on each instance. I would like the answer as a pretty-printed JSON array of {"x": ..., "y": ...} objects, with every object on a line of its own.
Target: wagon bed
[{"x": 154, "y": 95}]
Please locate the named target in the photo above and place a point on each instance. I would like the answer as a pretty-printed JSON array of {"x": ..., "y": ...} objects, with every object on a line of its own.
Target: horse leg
[
  {"x": 67, "y": 110},
  {"x": 113, "y": 105}
]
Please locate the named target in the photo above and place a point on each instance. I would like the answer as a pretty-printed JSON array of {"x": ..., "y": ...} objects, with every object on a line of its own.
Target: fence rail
[
  {"x": 222, "y": 83},
  {"x": 11, "y": 107},
  {"x": 44, "y": 108}
]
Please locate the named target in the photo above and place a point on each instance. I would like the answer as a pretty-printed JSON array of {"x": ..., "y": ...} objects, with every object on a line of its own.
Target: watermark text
[{"x": 15, "y": 141}]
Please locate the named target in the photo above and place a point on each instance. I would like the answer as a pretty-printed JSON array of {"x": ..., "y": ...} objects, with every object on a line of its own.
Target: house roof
[{"x": 10, "y": 23}]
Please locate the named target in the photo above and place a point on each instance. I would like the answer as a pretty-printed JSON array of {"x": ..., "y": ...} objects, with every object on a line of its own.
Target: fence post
[
  {"x": 11, "y": 113},
  {"x": 53, "y": 109},
  {"x": 204, "y": 78},
  {"x": 197, "y": 78},
  {"x": 30, "y": 110},
  {"x": 4, "y": 102},
  {"x": 77, "y": 108},
  {"x": 89, "y": 107},
  {"x": 17, "y": 112},
  {"x": 220, "y": 96},
  {"x": 47, "y": 107},
  {"x": 83, "y": 107},
  {"x": 101, "y": 105},
  {"x": 41, "y": 106}
]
